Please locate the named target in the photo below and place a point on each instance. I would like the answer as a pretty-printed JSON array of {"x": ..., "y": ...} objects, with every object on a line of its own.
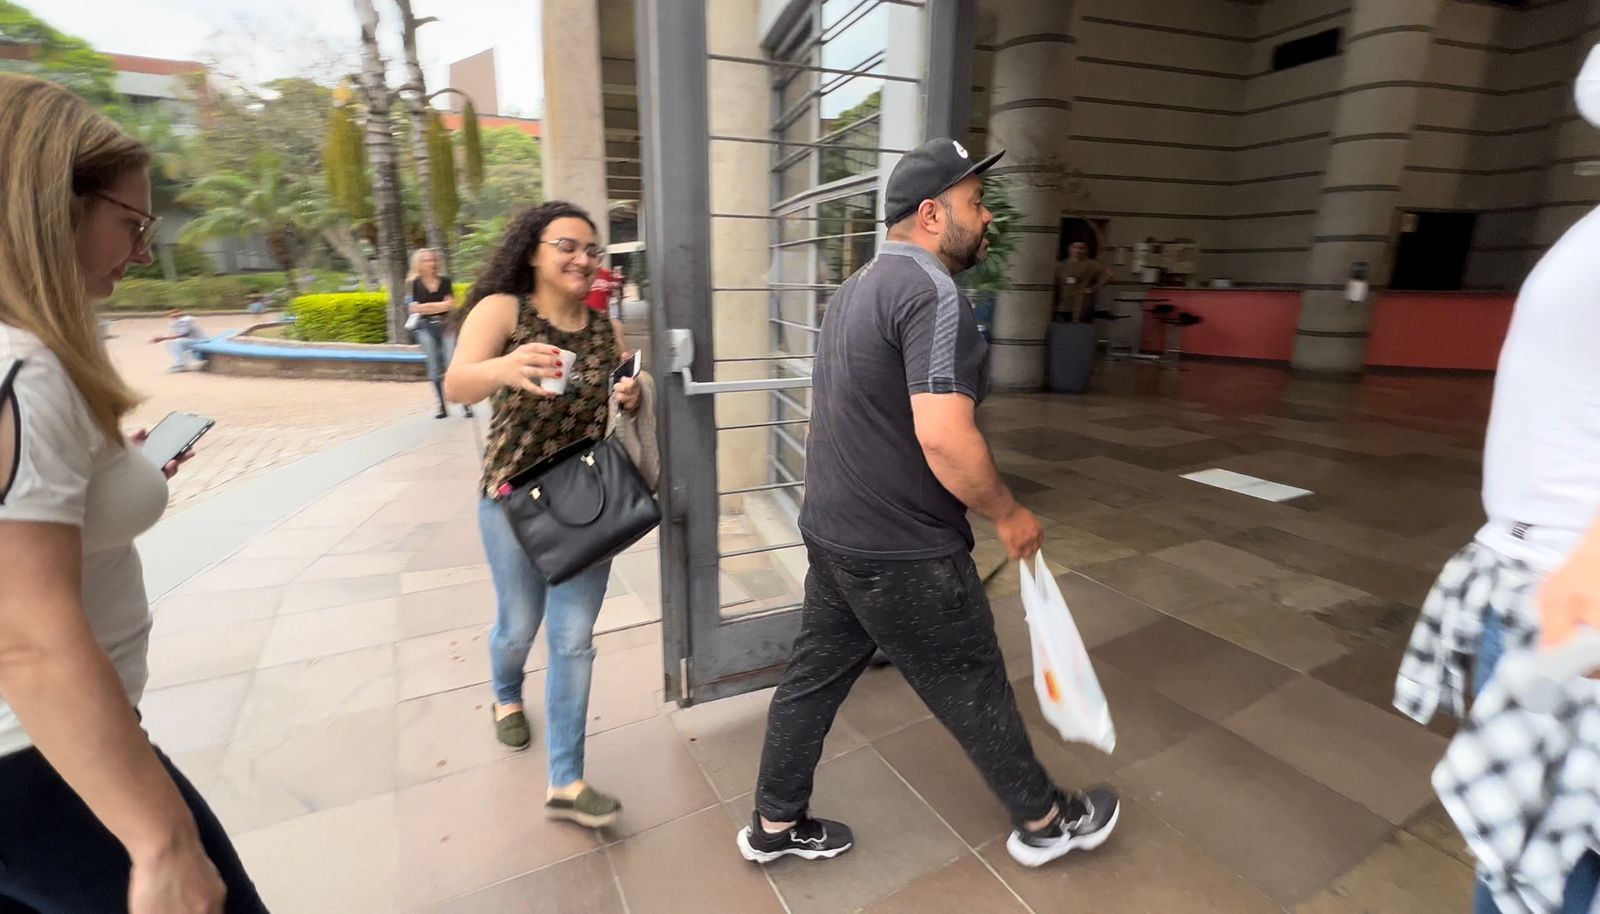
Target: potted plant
[{"x": 984, "y": 281}]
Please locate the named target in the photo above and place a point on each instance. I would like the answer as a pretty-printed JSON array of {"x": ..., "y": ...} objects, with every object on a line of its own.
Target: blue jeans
[
  {"x": 181, "y": 350},
  {"x": 571, "y": 607},
  {"x": 1585, "y": 878},
  {"x": 438, "y": 345}
]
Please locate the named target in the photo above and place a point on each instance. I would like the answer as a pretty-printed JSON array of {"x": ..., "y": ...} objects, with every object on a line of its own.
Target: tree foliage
[
  {"x": 263, "y": 201},
  {"x": 472, "y": 146},
  {"x": 442, "y": 160},
  {"x": 50, "y": 54},
  {"x": 287, "y": 118},
  {"x": 855, "y": 126},
  {"x": 512, "y": 176},
  {"x": 344, "y": 159}
]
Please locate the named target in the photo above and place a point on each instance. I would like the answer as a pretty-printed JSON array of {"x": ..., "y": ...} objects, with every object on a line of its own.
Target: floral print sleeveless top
[{"x": 525, "y": 428}]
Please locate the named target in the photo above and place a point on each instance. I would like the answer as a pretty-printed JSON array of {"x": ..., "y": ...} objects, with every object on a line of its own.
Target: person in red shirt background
[{"x": 605, "y": 285}]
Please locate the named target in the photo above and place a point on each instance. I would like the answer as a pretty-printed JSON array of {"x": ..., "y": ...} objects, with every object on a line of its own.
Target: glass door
[{"x": 762, "y": 159}]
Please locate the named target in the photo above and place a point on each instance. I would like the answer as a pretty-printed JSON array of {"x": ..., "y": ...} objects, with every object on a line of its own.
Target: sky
[{"x": 258, "y": 41}]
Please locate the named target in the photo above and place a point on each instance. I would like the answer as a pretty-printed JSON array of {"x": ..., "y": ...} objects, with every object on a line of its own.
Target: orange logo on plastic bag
[{"x": 1051, "y": 686}]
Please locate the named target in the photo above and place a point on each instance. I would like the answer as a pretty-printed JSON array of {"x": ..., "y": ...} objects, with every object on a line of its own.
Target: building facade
[
  {"x": 477, "y": 77},
  {"x": 1293, "y": 140},
  {"x": 1249, "y": 157}
]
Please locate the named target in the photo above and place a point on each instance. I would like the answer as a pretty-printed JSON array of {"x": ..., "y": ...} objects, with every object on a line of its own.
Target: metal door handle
[{"x": 682, "y": 343}]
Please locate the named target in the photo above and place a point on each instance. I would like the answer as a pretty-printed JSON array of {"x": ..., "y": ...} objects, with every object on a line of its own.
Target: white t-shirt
[
  {"x": 68, "y": 472},
  {"x": 1587, "y": 91},
  {"x": 1541, "y": 462}
]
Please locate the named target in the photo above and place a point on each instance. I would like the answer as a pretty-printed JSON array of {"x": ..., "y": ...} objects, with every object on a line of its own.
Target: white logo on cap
[{"x": 960, "y": 149}]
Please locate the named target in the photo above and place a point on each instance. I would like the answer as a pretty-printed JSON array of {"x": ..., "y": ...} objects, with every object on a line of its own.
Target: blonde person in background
[
  {"x": 93, "y": 818},
  {"x": 433, "y": 302}
]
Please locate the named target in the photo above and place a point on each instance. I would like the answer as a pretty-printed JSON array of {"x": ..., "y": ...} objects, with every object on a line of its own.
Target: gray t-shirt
[{"x": 898, "y": 327}]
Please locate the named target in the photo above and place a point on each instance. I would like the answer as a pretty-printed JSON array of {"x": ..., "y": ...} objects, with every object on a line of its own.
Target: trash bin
[{"x": 1069, "y": 355}]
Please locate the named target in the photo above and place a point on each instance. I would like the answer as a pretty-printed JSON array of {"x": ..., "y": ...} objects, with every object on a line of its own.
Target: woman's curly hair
[{"x": 509, "y": 271}]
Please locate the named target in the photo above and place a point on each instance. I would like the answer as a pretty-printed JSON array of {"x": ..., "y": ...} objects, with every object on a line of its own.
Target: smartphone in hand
[
  {"x": 628, "y": 369},
  {"x": 174, "y": 436}
]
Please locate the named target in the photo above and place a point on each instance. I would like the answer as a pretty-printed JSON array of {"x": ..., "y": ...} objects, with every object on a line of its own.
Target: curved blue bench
[{"x": 225, "y": 344}]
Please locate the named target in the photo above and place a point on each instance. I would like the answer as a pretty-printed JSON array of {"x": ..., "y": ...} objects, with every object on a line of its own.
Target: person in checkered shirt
[{"x": 1541, "y": 494}]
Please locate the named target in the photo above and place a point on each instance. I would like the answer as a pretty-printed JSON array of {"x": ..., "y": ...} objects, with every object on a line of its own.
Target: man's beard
[{"x": 962, "y": 247}]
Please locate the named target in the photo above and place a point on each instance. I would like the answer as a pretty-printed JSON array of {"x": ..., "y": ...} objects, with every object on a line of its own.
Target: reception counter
[{"x": 1454, "y": 331}]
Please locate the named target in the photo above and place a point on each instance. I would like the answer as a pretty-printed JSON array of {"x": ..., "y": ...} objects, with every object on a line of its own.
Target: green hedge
[
  {"x": 342, "y": 317},
  {"x": 203, "y": 293},
  {"x": 209, "y": 293},
  {"x": 187, "y": 261}
]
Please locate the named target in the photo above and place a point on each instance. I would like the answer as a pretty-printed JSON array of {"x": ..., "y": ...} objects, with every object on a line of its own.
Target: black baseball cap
[{"x": 928, "y": 171}]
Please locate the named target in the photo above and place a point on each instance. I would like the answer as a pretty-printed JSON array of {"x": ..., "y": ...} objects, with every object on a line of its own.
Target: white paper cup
[{"x": 559, "y": 385}]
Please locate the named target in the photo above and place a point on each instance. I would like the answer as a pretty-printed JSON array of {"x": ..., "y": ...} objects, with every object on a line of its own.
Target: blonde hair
[
  {"x": 57, "y": 152},
  {"x": 416, "y": 263}
]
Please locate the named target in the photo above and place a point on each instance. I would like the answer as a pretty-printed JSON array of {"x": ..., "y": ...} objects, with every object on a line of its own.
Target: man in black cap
[{"x": 894, "y": 463}]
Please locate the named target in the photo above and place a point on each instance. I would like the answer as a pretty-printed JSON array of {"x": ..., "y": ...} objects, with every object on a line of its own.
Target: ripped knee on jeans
[{"x": 585, "y": 651}]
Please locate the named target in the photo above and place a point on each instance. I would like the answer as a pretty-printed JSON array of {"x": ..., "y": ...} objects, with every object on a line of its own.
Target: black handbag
[{"x": 579, "y": 507}]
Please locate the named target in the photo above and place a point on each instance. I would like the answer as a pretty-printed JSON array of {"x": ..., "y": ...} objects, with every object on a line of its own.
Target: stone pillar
[
  {"x": 740, "y": 102},
  {"x": 573, "y": 124},
  {"x": 1385, "y": 57},
  {"x": 1029, "y": 117},
  {"x": 1576, "y": 143}
]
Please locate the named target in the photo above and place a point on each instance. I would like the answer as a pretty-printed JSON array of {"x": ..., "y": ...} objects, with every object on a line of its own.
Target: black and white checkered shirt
[
  {"x": 1524, "y": 789},
  {"x": 1437, "y": 667}
]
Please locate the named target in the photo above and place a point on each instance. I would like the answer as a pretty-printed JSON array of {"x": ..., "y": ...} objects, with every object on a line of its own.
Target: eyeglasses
[
  {"x": 570, "y": 246},
  {"x": 145, "y": 234}
]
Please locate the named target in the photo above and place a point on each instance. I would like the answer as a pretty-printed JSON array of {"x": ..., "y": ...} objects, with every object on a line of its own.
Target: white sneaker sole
[
  {"x": 1030, "y": 856},
  {"x": 754, "y": 856}
]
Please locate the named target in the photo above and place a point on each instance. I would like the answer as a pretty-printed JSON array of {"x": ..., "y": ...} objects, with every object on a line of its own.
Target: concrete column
[
  {"x": 1577, "y": 143},
  {"x": 574, "y": 130},
  {"x": 1385, "y": 56},
  {"x": 1029, "y": 118},
  {"x": 740, "y": 103}
]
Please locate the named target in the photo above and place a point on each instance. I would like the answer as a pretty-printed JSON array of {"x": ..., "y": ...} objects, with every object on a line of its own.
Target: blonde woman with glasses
[{"x": 93, "y": 818}]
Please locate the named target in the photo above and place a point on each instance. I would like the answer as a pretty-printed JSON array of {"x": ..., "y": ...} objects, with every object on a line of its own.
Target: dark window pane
[{"x": 1317, "y": 46}]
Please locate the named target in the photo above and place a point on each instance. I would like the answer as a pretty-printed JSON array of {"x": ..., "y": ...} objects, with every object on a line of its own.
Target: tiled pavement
[
  {"x": 324, "y": 686},
  {"x": 262, "y": 423}
]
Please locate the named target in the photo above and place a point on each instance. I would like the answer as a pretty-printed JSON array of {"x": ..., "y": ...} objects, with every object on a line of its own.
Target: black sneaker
[
  {"x": 808, "y": 839},
  {"x": 1083, "y": 823}
]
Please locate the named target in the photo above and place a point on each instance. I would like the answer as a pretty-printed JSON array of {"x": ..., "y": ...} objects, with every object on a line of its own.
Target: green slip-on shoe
[
  {"x": 591, "y": 809},
  {"x": 513, "y": 730}
]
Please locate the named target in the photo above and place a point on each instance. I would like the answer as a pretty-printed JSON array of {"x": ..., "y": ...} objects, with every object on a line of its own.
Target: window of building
[
  {"x": 1316, "y": 46},
  {"x": 1433, "y": 249},
  {"x": 825, "y": 163}
]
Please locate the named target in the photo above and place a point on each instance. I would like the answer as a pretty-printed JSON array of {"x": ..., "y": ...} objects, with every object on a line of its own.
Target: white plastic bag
[{"x": 1069, "y": 693}]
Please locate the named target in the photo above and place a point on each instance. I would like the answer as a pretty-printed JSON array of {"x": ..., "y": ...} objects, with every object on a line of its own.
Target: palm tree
[
  {"x": 385, "y": 174},
  {"x": 267, "y": 203},
  {"x": 319, "y": 213}
]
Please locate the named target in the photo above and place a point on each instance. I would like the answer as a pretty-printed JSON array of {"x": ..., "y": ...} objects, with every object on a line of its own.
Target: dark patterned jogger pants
[{"x": 933, "y": 620}]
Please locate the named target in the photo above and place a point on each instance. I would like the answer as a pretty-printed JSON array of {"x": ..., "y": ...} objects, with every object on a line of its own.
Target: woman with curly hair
[{"x": 525, "y": 308}]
